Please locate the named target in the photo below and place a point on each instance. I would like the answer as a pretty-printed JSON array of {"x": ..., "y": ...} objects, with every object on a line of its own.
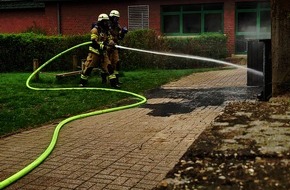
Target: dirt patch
[{"x": 247, "y": 147}]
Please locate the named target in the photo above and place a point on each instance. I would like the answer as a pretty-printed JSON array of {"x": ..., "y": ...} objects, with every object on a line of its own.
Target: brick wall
[
  {"x": 229, "y": 25},
  {"x": 19, "y": 20},
  {"x": 77, "y": 17},
  {"x": 79, "y": 23}
]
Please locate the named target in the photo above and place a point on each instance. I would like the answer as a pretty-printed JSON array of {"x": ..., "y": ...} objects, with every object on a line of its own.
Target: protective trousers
[
  {"x": 92, "y": 61},
  {"x": 115, "y": 61},
  {"x": 95, "y": 60}
]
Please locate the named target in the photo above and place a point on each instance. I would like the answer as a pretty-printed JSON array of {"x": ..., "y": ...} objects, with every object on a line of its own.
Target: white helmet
[
  {"x": 114, "y": 13},
  {"x": 103, "y": 16}
]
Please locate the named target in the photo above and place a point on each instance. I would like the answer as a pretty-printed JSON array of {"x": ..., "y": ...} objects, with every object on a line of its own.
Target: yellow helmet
[
  {"x": 114, "y": 13},
  {"x": 103, "y": 16}
]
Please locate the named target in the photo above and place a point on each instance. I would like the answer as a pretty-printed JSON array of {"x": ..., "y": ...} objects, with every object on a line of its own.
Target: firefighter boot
[
  {"x": 83, "y": 81},
  {"x": 113, "y": 83},
  {"x": 104, "y": 78},
  {"x": 117, "y": 78}
]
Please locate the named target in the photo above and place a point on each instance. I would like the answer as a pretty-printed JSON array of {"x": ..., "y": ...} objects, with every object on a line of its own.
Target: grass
[{"x": 22, "y": 108}]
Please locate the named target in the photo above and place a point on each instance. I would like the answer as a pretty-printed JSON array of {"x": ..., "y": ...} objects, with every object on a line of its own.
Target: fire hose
[{"x": 57, "y": 129}]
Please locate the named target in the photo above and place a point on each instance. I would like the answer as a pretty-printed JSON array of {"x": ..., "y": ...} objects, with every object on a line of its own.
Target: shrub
[
  {"x": 206, "y": 45},
  {"x": 145, "y": 40},
  {"x": 17, "y": 51}
]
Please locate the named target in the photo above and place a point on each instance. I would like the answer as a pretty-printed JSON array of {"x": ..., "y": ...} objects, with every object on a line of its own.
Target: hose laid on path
[{"x": 52, "y": 144}]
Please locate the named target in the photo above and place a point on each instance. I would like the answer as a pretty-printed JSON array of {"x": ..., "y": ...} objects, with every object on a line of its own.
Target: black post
[
  {"x": 255, "y": 61},
  {"x": 266, "y": 94}
]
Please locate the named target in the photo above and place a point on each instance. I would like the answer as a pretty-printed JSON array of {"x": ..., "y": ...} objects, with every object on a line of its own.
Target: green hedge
[
  {"x": 146, "y": 40},
  {"x": 211, "y": 45},
  {"x": 17, "y": 51},
  {"x": 205, "y": 45}
]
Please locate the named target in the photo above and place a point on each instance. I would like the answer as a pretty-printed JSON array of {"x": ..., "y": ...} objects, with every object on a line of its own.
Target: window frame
[
  {"x": 253, "y": 35},
  {"x": 202, "y": 13}
]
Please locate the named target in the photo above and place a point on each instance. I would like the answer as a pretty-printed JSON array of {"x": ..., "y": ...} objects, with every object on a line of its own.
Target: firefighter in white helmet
[
  {"x": 97, "y": 56},
  {"x": 118, "y": 33}
]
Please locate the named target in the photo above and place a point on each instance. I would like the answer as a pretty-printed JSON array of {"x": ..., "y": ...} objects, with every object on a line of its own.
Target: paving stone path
[{"x": 129, "y": 149}]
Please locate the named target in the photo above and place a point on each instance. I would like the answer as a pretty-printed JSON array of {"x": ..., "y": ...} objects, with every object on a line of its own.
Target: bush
[
  {"x": 206, "y": 45},
  {"x": 17, "y": 51},
  {"x": 145, "y": 40}
]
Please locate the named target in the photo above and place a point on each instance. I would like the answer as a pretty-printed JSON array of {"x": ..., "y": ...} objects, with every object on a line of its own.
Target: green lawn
[{"x": 22, "y": 108}]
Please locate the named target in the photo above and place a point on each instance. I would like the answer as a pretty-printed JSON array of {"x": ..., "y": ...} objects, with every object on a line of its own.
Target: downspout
[{"x": 58, "y": 12}]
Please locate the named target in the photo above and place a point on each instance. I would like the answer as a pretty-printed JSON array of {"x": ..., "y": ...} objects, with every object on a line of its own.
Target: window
[
  {"x": 212, "y": 22},
  {"x": 172, "y": 23},
  {"x": 138, "y": 17},
  {"x": 192, "y": 19},
  {"x": 247, "y": 22},
  {"x": 192, "y": 23},
  {"x": 253, "y": 21},
  {"x": 265, "y": 21}
]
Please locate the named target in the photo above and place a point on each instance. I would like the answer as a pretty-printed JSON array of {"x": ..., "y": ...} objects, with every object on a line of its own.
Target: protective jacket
[
  {"x": 100, "y": 38},
  {"x": 117, "y": 32}
]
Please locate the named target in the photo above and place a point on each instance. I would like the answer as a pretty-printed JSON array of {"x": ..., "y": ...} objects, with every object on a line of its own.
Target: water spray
[{"x": 191, "y": 57}]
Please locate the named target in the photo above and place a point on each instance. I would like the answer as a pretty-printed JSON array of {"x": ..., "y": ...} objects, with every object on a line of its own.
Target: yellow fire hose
[{"x": 52, "y": 144}]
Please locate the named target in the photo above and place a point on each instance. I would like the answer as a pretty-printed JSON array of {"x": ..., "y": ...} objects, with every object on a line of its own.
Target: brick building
[{"x": 240, "y": 20}]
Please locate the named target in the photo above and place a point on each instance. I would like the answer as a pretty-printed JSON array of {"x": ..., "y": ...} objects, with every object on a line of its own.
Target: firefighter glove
[{"x": 124, "y": 30}]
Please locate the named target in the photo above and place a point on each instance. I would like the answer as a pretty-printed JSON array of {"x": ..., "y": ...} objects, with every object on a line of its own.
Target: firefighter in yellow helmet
[
  {"x": 97, "y": 56},
  {"x": 117, "y": 34}
]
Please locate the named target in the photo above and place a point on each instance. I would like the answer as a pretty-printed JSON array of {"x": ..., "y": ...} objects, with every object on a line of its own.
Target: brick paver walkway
[{"x": 128, "y": 149}]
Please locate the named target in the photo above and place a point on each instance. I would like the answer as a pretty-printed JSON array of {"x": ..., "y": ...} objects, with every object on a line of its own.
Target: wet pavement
[
  {"x": 246, "y": 147},
  {"x": 128, "y": 149},
  {"x": 196, "y": 98}
]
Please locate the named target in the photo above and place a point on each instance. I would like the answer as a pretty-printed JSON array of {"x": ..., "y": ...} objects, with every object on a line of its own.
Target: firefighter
[
  {"x": 97, "y": 56},
  {"x": 117, "y": 34}
]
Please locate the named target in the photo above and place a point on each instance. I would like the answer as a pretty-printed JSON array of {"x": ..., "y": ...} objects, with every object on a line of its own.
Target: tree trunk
[{"x": 280, "y": 15}]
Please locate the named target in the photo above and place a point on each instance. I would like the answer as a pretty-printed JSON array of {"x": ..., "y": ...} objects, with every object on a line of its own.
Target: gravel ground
[{"x": 247, "y": 147}]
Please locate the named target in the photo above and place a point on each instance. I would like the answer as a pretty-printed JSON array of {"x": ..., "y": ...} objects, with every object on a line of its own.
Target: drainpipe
[{"x": 58, "y": 18}]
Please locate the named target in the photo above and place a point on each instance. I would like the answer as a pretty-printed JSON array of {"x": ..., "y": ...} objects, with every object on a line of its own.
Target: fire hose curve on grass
[{"x": 13, "y": 178}]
